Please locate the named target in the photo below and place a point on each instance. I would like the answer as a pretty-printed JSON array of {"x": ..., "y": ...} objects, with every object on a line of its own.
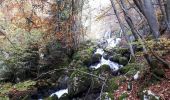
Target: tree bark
[
  {"x": 122, "y": 27},
  {"x": 147, "y": 10},
  {"x": 167, "y": 10},
  {"x": 134, "y": 31}
]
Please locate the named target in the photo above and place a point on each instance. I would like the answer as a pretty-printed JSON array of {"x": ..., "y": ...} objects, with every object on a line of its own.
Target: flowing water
[
  {"x": 60, "y": 93},
  {"x": 111, "y": 43}
]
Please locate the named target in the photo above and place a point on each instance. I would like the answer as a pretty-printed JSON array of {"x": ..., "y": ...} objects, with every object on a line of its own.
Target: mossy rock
[
  {"x": 64, "y": 97},
  {"x": 111, "y": 85},
  {"x": 96, "y": 58},
  {"x": 96, "y": 85},
  {"x": 115, "y": 58},
  {"x": 104, "y": 68},
  {"x": 54, "y": 97},
  {"x": 22, "y": 86},
  {"x": 79, "y": 81},
  {"x": 122, "y": 51},
  {"x": 87, "y": 60},
  {"x": 84, "y": 55},
  {"x": 123, "y": 61},
  {"x": 159, "y": 72},
  {"x": 131, "y": 69}
]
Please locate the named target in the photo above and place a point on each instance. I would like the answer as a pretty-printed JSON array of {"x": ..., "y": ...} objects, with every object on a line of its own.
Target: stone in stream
[
  {"x": 123, "y": 61},
  {"x": 106, "y": 56},
  {"x": 96, "y": 58}
]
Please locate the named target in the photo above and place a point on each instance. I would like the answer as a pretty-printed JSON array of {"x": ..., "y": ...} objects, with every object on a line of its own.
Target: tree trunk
[
  {"x": 147, "y": 10},
  {"x": 167, "y": 9},
  {"x": 122, "y": 28},
  {"x": 134, "y": 31}
]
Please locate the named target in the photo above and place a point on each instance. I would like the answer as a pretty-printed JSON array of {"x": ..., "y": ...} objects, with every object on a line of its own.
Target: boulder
[
  {"x": 96, "y": 58},
  {"x": 79, "y": 82},
  {"x": 123, "y": 61},
  {"x": 106, "y": 56},
  {"x": 115, "y": 58}
]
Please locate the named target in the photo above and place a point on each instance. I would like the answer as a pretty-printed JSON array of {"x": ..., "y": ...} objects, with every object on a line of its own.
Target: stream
[{"x": 108, "y": 43}]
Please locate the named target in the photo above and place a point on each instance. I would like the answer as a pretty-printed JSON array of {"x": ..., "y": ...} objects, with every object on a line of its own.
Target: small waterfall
[
  {"x": 114, "y": 66},
  {"x": 60, "y": 93}
]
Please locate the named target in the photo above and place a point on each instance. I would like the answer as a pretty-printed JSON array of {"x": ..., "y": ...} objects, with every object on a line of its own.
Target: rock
[
  {"x": 123, "y": 61},
  {"x": 159, "y": 72},
  {"x": 115, "y": 58},
  {"x": 54, "y": 97},
  {"x": 104, "y": 69},
  {"x": 79, "y": 82},
  {"x": 131, "y": 69},
  {"x": 91, "y": 96},
  {"x": 85, "y": 56},
  {"x": 106, "y": 56},
  {"x": 96, "y": 58}
]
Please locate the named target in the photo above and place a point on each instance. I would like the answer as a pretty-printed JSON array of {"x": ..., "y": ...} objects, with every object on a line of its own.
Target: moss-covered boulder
[
  {"x": 54, "y": 97},
  {"x": 122, "y": 50},
  {"x": 96, "y": 58},
  {"x": 17, "y": 91},
  {"x": 79, "y": 82},
  {"x": 106, "y": 56},
  {"x": 123, "y": 61},
  {"x": 85, "y": 56},
  {"x": 115, "y": 58},
  {"x": 159, "y": 72},
  {"x": 104, "y": 69},
  {"x": 132, "y": 68}
]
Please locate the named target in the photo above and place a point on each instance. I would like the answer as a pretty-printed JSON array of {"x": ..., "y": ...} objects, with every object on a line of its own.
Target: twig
[
  {"x": 52, "y": 71},
  {"x": 101, "y": 93}
]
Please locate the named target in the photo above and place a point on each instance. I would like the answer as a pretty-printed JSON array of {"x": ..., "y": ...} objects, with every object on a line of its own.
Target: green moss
[
  {"x": 112, "y": 86},
  {"x": 52, "y": 98},
  {"x": 96, "y": 58},
  {"x": 123, "y": 61},
  {"x": 107, "y": 96},
  {"x": 4, "y": 98},
  {"x": 115, "y": 58},
  {"x": 159, "y": 72},
  {"x": 5, "y": 88},
  {"x": 84, "y": 55},
  {"x": 123, "y": 96},
  {"x": 104, "y": 68},
  {"x": 22, "y": 86},
  {"x": 78, "y": 72},
  {"x": 132, "y": 68},
  {"x": 121, "y": 50}
]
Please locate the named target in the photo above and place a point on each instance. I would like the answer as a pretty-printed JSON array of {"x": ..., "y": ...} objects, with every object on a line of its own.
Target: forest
[{"x": 84, "y": 49}]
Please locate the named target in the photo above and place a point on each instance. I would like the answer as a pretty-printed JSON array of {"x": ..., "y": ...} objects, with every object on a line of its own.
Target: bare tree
[
  {"x": 147, "y": 9},
  {"x": 167, "y": 9},
  {"x": 122, "y": 28}
]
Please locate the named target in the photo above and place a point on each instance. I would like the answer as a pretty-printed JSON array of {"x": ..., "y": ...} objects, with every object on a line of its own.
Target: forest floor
[{"x": 160, "y": 89}]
